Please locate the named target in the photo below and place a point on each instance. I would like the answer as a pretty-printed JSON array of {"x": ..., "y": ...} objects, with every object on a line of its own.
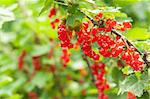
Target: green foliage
[
  {"x": 6, "y": 15},
  {"x": 138, "y": 34},
  {"x": 25, "y": 26},
  {"x": 74, "y": 19},
  {"x": 47, "y": 5},
  {"x": 117, "y": 75},
  {"x": 134, "y": 84},
  {"x": 41, "y": 79},
  {"x": 5, "y": 80},
  {"x": 125, "y": 2}
]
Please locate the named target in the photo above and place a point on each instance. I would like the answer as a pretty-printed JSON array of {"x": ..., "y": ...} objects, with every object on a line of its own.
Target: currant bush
[
  {"x": 108, "y": 46},
  {"x": 82, "y": 49}
]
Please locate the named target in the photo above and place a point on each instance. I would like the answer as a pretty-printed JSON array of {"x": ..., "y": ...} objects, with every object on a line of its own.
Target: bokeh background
[{"x": 21, "y": 28}]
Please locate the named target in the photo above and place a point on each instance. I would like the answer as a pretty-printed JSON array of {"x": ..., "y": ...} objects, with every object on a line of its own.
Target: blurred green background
[{"x": 21, "y": 28}]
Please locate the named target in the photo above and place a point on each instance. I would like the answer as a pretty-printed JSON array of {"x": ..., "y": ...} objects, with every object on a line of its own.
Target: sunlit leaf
[
  {"x": 5, "y": 16},
  {"x": 134, "y": 84},
  {"x": 4, "y": 80},
  {"x": 47, "y": 4},
  {"x": 138, "y": 34}
]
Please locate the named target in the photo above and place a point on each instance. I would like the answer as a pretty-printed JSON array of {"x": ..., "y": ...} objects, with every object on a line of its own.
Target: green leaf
[
  {"x": 92, "y": 91},
  {"x": 138, "y": 34},
  {"x": 47, "y": 4},
  {"x": 40, "y": 50},
  {"x": 133, "y": 84},
  {"x": 144, "y": 96},
  {"x": 40, "y": 79},
  {"x": 13, "y": 87},
  {"x": 117, "y": 14},
  {"x": 15, "y": 96},
  {"x": 75, "y": 19},
  {"x": 116, "y": 75},
  {"x": 78, "y": 16},
  {"x": 4, "y": 80},
  {"x": 127, "y": 70},
  {"x": 124, "y": 2},
  {"x": 5, "y": 16},
  {"x": 110, "y": 12},
  {"x": 29, "y": 87},
  {"x": 143, "y": 45},
  {"x": 73, "y": 8},
  {"x": 7, "y": 37},
  {"x": 115, "y": 96},
  {"x": 89, "y": 1},
  {"x": 91, "y": 97},
  {"x": 70, "y": 21},
  {"x": 112, "y": 91},
  {"x": 8, "y": 2}
]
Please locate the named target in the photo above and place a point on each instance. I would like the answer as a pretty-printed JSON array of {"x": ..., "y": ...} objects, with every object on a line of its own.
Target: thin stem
[
  {"x": 88, "y": 64},
  {"x": 126, "y": 40}
]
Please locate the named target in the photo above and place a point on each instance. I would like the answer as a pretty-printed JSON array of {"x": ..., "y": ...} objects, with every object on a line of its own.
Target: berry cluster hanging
[
  {"x": 110, "y": 45},
  {"x": 98, "y": 70}
]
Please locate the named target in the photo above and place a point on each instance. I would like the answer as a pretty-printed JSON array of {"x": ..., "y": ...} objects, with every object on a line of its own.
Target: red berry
[
  {"x": 127, "y": 24},
  {"x": 131, "y": 96},
  {"x": 94, "y": 31},
  {"x": 52, "y": 12},
  {"x": 100, "y": 15},
  {"x": 65, "y": 57},
  {"x": 96, "y": 57},
  {"x": 136, "y": 55},
  {"x": 119, "y": 63},
  {"x": 56, "y": 20}
]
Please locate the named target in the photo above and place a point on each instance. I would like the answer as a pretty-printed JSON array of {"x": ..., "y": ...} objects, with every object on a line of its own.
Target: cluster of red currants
[
  {"x": 110, "y": 24},
  {"x": 65, "y": 36},
  {"x": 109, "y": 45},
  {"x": 21, "y": 60},
  {"x": 98, "y": 70},
  {"x": 35, "y": 61},
  {"x": 32, "y": 95},
  {"x": 65, "y": 57},
  {"x": 56, "y": 20},
  {"x": 132, "y": 57}
]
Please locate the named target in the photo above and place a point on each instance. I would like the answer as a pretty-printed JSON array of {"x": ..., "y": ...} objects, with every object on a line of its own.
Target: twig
[
  {"x": 88, "y": 64},
  {"x": 126, "y": 40},
  {"x": 145, "y": 58}
]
